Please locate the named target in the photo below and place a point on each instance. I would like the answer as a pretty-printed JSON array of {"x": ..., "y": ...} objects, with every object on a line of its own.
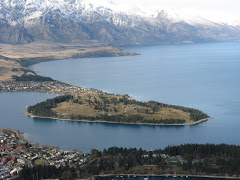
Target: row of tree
[
  {"x": 32, "y": 78},
  {"x": 45, "y": 172},
  {"x": 44, "y": 109},
  {"x": 121, "y": 118}
]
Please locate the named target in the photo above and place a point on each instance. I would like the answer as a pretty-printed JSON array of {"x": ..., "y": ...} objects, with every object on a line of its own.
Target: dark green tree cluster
[
  {"x": 112, "y": 118},
  {"x": 44, "y": 109},
  {"x": 45, "y": 172},
  {"x": 122, "y": 158},
  {"x": 204, "y": 150},
  {"x": 198, "y": 159},
  {"x": 32, "y": 78},
  {"x": 208, "y": 159},
  {"x": 214, "y": 159},
  {"x": 126, "y": 119}
]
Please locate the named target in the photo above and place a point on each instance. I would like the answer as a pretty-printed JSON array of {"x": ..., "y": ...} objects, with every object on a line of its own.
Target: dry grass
[
  {"x": 53, "y": 50},
  {"x": 44, "y": 51},
  {"x": 68, "y": 108},
  {"x": 6, "y": 70},
  {"x": 169, "y": 113}
]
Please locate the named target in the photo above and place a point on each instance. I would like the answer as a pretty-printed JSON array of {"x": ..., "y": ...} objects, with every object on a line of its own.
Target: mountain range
[{"x": 25, "y": 21}]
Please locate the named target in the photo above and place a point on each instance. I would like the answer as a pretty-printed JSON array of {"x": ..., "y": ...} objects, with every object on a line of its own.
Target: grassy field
[
  {"x": 95, "y": 105},
  {"x": 9, "y": 68}
]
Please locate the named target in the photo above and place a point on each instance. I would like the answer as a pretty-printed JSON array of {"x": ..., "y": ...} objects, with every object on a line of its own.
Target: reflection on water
[{"x": 47, "y": 121}]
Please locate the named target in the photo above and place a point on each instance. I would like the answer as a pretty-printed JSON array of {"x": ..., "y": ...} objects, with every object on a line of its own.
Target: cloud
[
  {"x": 217, "y": 5},
  {"x": 224, "y": 10}
]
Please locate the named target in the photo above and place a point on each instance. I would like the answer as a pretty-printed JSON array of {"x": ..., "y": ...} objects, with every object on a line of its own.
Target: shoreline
[
  {"x": 124, "y": 123},
  {"x": 50, "y": 87},
  {"x": 19, "y": 133},
  {"x": 16, "y": 59},
  {"x": 102, "y": 121},
  {"x": 21, "y": 136},
  {"x": 96, "y": 54},
  {"x": 166, "y": 175}
]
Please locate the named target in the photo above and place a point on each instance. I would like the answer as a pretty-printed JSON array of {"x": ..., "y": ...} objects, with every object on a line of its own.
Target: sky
[
  {"x": 228, "y": 10},
  {"x": 221, "y": 5}
]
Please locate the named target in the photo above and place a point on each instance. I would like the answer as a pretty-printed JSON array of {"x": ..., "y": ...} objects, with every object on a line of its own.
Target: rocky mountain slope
[{"x": 24, "y": 21}]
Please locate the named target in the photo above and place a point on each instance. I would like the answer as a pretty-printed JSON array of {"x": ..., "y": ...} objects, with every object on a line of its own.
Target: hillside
[{"x": 15, "y": 59}]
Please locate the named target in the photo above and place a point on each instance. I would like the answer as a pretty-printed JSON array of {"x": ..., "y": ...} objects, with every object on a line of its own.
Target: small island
[{"x": 98, "y": 106}]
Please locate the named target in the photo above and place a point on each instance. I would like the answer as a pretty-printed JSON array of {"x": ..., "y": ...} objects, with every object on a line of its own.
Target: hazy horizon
[{"x": 216, "y": 10}]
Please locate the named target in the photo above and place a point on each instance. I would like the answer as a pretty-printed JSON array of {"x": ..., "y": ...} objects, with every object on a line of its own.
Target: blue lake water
[{"x": 203, "y": 76}]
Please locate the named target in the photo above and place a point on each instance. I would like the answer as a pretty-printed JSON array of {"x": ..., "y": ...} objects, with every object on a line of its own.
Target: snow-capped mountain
[{"x": 23, "y": 21}]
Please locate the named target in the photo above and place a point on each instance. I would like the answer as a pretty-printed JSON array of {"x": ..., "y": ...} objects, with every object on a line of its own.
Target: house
[
  {"x": 13, "y": 158},
  {"x": 15, "y": 151},
  {"x": 10, "y": 163},
  {"x": 14, "y": 171},
  {"x": 3, "y": 149},
  {"x": 4, "y": 160}
]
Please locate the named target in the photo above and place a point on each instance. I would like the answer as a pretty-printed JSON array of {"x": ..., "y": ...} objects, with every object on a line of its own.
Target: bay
[{"x": 203, "y": 76}]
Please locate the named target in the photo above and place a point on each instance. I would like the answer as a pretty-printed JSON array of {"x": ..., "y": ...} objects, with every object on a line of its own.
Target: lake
[{"x": 203, "y": 76}]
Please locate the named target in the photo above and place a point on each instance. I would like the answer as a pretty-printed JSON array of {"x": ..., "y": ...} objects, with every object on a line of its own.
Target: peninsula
[
  {"x": 103, "y": 107},
  {"x": 15, "y": 59},
  {"x": 92, "y": 105},
  {"x": 81, "y": 104}
]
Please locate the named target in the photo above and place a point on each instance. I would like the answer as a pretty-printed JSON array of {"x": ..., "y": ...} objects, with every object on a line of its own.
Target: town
[
  {"x": 17, "y": 156},
  {"x": 16, "y": 153},
  {"x": 54, "y": 87}
]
